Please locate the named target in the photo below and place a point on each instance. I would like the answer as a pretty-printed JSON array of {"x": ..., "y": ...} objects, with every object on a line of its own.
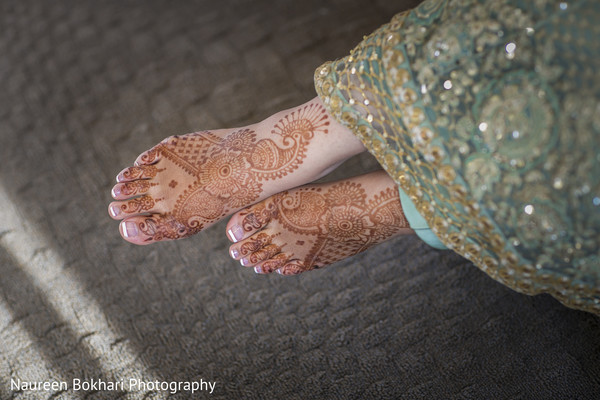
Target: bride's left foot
[{"x": 316, "y": 225}]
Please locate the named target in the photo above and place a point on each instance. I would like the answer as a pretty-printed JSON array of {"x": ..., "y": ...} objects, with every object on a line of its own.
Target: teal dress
[{"x": 487, "y": 115}]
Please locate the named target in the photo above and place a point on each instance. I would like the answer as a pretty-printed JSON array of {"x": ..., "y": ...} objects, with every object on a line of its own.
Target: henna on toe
[
  {"x": 317, "y": 225},
  {"x": 260, "y": 255},
  {"x": 129, "y": 189},
  {"x": 272, "y": 264},
  {"x": 253, "y": 218},
  {"x": 293, "y": 268},
  {"x": 148, "y": 229},
  {"x": 133, "y": 173},
  {"x": 246, "y": 252},
  {"x": 149, "y": 157}
]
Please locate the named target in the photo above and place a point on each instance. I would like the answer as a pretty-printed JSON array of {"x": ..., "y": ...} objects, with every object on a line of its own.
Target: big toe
[
  {"x": 146, "y": 229},
  {"x": 250, "y": 220}
]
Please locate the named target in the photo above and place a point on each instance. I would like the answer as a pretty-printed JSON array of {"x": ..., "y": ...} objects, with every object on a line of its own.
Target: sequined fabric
[{"x": 487, "y": 114}]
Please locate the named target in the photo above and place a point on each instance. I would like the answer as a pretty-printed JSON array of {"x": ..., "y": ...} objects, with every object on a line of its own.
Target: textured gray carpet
[{"x": 85, "y": 87}]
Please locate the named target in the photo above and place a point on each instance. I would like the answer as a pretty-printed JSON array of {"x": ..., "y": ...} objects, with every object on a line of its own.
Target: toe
[
  {"x": 258, "y": 256},
  {"x": 124, "y": 209},
  {"x": 294, "y": 267},
  {"x": 250, "y": 245},
  {"x": 146, "y": 229},
  {"x": 251, "y": 219},
  {"x": 133, "y": 173},
  {"x": 126, "y": 190},
  {"x": 272, "y": 264},
  {"x": 129, "y": 231},
  {"x": 149, "y": 157}
]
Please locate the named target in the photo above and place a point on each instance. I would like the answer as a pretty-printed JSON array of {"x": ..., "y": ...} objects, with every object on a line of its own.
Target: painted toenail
[
  {"x": 258, "y": 269},
  {"x": 236, "y": 233},
  {"x": 235, "y": 253},
  {"x": 116, "y": 191},
  {"x": 115, "y": 211},
  {"x": 130, "y": 229},
  {"x": 244, "y": 262}
]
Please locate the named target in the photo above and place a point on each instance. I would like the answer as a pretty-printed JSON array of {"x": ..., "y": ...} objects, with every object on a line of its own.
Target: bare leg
[{"x": 317, "y": 225}]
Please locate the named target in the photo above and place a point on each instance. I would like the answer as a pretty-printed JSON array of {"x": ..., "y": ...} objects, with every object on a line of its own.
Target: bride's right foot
[
  {"x": 187, "y": 183},
  {"x": 317, "y": 225}
]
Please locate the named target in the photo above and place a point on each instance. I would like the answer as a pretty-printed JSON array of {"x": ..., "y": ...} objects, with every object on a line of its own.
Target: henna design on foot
[
  {"x": 217, "y": 173},
  {"x": 316, "y": 226}
]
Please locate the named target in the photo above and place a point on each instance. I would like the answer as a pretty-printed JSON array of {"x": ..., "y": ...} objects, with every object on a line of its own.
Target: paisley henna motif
[
  {"x": 270, "y": 161},
  {"x": 227, "y": 173}
]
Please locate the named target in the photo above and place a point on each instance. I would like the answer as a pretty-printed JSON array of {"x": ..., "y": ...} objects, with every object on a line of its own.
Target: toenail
[
  {"x": 115, "y": 210},
  {"x": 279, "y": 271},
  {"x": 116, "y": 191},
  {"x": 130, "y": 229},
  {"x": 244, "y": 262},
  {"x": 234, "y": 253},
  {"x": 236, "y": 233},
  {"x": 258, "y": 269}
]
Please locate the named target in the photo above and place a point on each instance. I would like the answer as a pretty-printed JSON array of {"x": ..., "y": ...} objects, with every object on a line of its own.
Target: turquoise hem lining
[{"x": 418, "y": 223}]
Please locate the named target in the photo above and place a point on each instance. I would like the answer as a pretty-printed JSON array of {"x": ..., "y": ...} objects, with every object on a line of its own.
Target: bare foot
[
  {"x": 187, "y": 183},
  {"x": 316, "y": 225}
]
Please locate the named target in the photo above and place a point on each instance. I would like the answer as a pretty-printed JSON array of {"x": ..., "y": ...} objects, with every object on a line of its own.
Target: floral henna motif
[
  {"x": 337, "y": 223},
  {"x": 228, "y": 172},
  {"x": 354, "y": 227}
]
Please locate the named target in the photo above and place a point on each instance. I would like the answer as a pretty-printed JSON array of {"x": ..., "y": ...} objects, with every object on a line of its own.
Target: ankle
[{"x": 330, "y": 144}]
